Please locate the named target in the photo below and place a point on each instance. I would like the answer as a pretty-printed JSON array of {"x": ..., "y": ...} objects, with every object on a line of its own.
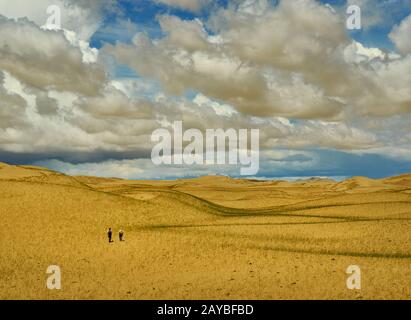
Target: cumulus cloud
[
  {"x": 45, "y": 58},
  {"x": 329, "y": 135},
  {"x": 114, "y": 104},
  {"x": 400, "y": 35},
  {"x": 11, "y": 105},
  {"x": 258, "y": 71},
  {"x": 293, "y": 60},
  {"x": 80, "y": 16},
  {"x": 55, "y": 96},
  {"x": 34, "y": 120}
]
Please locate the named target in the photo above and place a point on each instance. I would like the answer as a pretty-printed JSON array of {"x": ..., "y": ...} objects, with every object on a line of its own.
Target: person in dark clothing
[
  {"x": 110, "y": 235},
  {"x": 120, "y": 235}
]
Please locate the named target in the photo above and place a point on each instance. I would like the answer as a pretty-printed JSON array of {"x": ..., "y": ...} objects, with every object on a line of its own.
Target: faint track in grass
[{"x": 290, "y": 210}]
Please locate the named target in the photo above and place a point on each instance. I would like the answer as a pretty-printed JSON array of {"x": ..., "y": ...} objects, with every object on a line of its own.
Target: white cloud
[
  {"x": 357, "y": 53},
  {"x": 90, "y": 55},
  {"x": 253, "y": 7},
  {"x": 245, "y": 64},
  {"x": 307, "y": 69},
  {"x": 220, "y": 109},
  {"x": 401, "y": 36},
  {"x": 45, "y": 59},
  {"x": 81, "y": 16}
]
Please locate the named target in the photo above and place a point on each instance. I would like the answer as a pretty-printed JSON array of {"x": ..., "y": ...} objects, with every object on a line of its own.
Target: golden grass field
[{"x": 206, "y": 238}]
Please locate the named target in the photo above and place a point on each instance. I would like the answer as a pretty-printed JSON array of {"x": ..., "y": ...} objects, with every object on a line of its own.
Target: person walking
[
  {"x": 110, "y": 235},
  {"x": 121, "y": 235}
]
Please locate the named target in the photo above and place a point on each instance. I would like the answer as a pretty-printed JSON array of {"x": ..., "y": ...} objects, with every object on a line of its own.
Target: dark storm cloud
[
  {"x": 26, "y": 158},
  {"x": 336, "y": 163}
]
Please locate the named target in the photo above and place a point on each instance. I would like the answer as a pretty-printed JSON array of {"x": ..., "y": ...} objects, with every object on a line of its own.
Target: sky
[{"x": 85, "y": 96}]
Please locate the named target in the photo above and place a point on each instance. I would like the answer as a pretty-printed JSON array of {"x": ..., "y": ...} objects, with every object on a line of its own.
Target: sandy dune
[{"x": 206, "y": 238}]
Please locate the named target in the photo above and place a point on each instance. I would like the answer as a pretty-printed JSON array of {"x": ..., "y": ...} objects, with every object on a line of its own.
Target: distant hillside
[
  {"x": 39, "y": 174},
  {"x": 36, "y": 174}
]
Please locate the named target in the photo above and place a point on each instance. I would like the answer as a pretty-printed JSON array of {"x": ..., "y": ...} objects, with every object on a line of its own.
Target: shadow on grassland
[
  {"x": 335, "y": 253},
  {"x": 294, "y": 240}
]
